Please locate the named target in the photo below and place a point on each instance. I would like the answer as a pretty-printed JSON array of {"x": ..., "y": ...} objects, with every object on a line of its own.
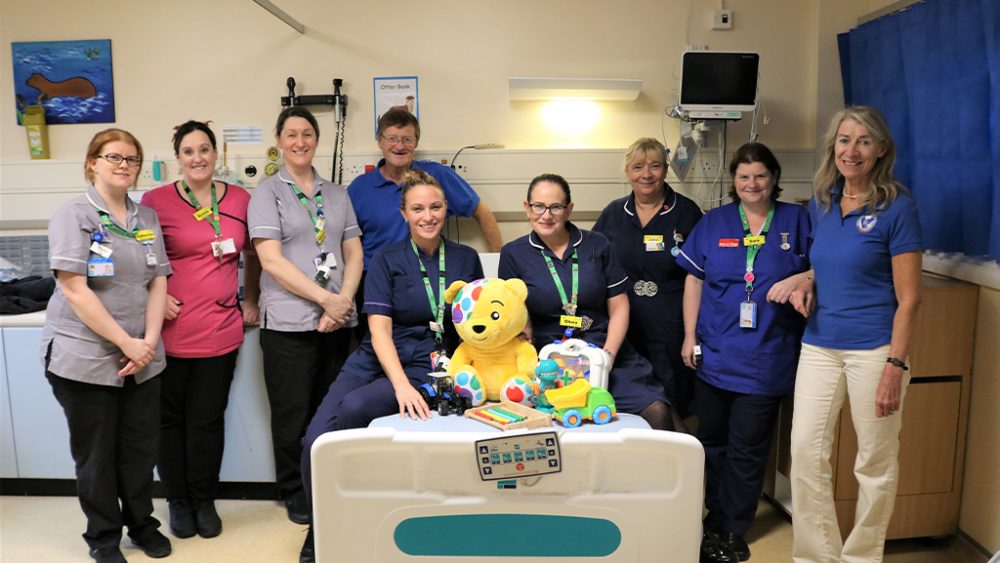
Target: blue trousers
[
  {"x": 735, "y": 429},
  {"x": 359, "y": 395}
]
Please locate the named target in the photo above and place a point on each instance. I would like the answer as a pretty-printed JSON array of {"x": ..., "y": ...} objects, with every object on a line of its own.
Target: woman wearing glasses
[
  {"x": 572, "y": 273},
  {"x": 204, "y": 229},
  {"x": 408, "y": 320},
  {"x": 306, "y": 237},
  {"x": 647, "y": 229},
  {"x": 101, "y": 345}
]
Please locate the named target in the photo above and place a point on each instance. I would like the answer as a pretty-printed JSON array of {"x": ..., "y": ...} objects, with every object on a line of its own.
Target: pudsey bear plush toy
[{"x": 489, "y": 315}]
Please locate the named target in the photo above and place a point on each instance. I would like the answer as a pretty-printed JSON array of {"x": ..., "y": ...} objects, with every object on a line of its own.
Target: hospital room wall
[{"x": 228, "y": 61}]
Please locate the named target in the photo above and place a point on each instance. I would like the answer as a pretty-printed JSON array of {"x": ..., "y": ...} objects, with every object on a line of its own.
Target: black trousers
[
  {"x": 735, "y": 430},
  {"x": 194, "y": 396},
  {"x": 298, "y": 370},
  {"x": 113, "y": 434}
]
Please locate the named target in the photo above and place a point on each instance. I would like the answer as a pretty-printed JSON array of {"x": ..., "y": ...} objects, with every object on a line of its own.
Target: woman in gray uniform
[
  {"x": 306, "y": 237},
  {"x": 101, "y": 345}
]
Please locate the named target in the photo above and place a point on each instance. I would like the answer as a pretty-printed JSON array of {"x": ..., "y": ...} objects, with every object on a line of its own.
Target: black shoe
[
  {"x": 182, "y": 521},
  {"x": 736, "y": 544},
  {"x": 153, "y": 544},
  {"x": 110, "y": 554},
  {"x": 308, "y": 553},
  {"x": 713, "y": 550},
  {"x": 209, "y": 523},
  {"x": 298, "y": 508}
]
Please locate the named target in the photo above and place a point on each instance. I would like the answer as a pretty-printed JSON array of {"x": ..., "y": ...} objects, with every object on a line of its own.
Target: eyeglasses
[
  {"x": 406, "y": 141},
  {"x": 556, "y": 209},
  {"x": 116, "y": 159}
]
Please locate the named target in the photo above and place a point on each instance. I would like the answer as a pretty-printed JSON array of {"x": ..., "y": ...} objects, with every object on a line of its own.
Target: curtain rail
[{"x": 890, "y": 9}]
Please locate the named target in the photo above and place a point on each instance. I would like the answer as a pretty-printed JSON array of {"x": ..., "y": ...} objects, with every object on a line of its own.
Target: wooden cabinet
[{"x": 935, "y": 418}]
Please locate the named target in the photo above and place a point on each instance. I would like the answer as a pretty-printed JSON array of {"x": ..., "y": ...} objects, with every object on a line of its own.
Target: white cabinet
[{"x": 34, "y": 437}]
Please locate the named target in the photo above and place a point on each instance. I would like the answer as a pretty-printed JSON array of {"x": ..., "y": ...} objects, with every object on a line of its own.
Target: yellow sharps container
[{"x": 38, "y": 134}]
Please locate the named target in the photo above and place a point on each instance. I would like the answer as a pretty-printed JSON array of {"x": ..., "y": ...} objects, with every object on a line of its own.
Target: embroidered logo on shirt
[
  {"x": 866, "y": 223},
  {"x": 729, "y": 243}
]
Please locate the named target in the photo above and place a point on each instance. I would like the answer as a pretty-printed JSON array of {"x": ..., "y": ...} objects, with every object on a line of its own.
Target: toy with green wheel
[{"x": 579, "y": 401}]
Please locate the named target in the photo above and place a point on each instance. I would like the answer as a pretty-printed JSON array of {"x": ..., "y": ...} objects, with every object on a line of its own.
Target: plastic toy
[
  {"x": 489, "y": 315},
  {"x": 547, "y": 373},
  {"x": 578, "y": 360},
  {"x": 580, "y": 400},
  {"x": 440, "y": 393}
]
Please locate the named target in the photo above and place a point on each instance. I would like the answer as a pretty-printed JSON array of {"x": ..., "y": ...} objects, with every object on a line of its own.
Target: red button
[{"x": 520, "y": 466}]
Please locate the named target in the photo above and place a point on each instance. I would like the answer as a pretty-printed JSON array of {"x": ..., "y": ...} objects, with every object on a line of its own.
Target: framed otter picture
[{"x": 72, "y": 80}]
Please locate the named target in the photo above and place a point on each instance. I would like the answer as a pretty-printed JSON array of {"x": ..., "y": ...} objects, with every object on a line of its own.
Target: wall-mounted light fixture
[{"x": 597, "y": 89}]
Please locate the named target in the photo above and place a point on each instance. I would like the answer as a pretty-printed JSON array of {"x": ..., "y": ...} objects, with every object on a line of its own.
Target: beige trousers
[{"x": 824, "y": 379}]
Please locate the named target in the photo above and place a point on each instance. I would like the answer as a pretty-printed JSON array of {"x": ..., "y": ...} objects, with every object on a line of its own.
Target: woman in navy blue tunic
[
  {"x": 556, "y": 257},
  {"x": 647, "y": 229},
  {"x": 744, "y": 260},
  {"x": 405, "y": 324}
]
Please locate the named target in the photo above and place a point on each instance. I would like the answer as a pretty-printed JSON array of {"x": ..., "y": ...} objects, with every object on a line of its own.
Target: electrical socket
[{"x": 708, "y": 168}]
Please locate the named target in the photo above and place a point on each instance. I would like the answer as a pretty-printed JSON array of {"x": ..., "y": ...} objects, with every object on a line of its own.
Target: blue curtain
[{"x": 933, "y": 70}]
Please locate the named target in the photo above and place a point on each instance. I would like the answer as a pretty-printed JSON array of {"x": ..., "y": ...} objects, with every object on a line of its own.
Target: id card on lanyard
[
  {"x": 437, "y": 305},
  {"x": 324, "y": 261},
  {"x": 753, "y": 244},
  {"x": 220, "y": 246},
  {"x": 570, "y": 320},
  {"x": 106, "y": 268}
]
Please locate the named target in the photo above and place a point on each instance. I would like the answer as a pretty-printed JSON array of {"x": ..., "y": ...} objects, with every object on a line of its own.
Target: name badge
[
  {"x": 753, "y": 241},
  {"x": 652, "y": 238},
  {"x": 748, "y": 314},
  {"x": 729, "y": 243},
  {"x": 436, "y": 326},
  {"x": 202, "y": 213},
  {"x": 145, "y": 235},
  {"x": 101, "y": 250},
  {"x": 223, "y": 247},
  {"x": 571, "y": 321},
  {"x": 100, "y": 267}
]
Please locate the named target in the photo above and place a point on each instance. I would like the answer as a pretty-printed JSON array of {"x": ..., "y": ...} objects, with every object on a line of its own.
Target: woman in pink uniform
[{"x": 205, "y": 229}]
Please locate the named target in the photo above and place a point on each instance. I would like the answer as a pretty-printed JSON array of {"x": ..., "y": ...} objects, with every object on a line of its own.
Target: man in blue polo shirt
[{"x": 376, "y": 195}]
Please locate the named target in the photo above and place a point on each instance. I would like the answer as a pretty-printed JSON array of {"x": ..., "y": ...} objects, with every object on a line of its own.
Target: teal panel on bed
[{"x": 510, "y": 535}]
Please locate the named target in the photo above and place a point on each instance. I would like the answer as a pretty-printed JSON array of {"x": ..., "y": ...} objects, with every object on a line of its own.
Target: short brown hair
[
  {"x": 398, "y": 117},
  {"x": 104, "y": 137}
]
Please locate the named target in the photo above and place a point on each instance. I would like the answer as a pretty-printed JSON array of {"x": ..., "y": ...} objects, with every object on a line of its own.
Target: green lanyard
[
  {"x": 569, "y": 305},
  {"x": 110, "y": 226},
  {"x": 318, "y": 221},
  {"x": 753, "y": 249},
  {"x": 199, "y": 214},
  {"x": 437, "y": 305}
]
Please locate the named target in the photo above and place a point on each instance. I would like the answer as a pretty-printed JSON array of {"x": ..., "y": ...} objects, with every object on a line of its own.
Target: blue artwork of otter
[{"x": 71, "y": 79}]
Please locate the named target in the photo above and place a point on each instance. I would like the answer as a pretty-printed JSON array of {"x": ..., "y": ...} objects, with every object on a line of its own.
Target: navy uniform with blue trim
[
  {"x": 656, "y": 283},
  {"x": 631, "y": 380},
  {"x": 394, "y": 288},
  {"x": 745, "y": 372}
]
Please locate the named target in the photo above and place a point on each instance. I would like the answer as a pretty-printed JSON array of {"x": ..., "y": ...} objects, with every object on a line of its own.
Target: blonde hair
[
  {"x": 415, "y": 177},
  {"x": 104, "y": 137},
  {"x": 884, "y": 187},
  {"x": 645, "y": 148}
]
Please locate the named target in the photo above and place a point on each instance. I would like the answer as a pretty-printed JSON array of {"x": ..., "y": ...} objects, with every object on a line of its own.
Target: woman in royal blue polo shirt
[
  {"x": 866, "y": 256},
  {"x": 743, "y": 261}
]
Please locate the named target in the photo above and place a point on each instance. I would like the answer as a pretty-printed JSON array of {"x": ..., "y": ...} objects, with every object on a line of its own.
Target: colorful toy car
[{"x": 580, "y": 400}]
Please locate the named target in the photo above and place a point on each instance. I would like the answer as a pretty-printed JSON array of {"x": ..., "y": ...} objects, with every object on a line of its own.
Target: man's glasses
[{"x": 406, "y": 141}]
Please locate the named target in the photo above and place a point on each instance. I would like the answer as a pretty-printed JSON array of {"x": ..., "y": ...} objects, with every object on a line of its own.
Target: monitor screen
[{"x": 717, "y": 81}]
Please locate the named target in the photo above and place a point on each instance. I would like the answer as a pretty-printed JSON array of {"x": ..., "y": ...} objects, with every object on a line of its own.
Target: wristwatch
[{"x": 897, "y": 362}]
